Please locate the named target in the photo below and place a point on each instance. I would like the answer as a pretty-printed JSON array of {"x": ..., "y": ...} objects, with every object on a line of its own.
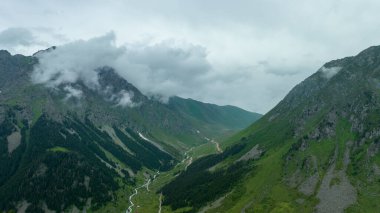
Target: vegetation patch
[
  {"x": 334, "y": 181},
  {"x": 58, "y": 149},
  {"x": 197, "y": 186}
]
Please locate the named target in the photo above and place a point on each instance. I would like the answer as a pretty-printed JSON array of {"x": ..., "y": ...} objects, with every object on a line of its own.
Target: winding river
[
  {"x": 145, "y": 185},
  {"x": 149, "y": 180}
]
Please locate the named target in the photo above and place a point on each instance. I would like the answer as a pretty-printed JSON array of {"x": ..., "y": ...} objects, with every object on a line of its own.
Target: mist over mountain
[
  {"x": 162, "y": 69},
  {"x": 189, "y": 106},
  {"x": 85, "y": 138},
  {"x": 109, "y": 139},
  {"x": 75, "y": 136}
]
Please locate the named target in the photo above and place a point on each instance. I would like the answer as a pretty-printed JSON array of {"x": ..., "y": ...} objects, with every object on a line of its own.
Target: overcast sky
[{"x": 243, "y": 53}]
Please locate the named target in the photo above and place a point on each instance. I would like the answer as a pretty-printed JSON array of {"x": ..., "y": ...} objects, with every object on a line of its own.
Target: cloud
[
  {"x": 76, "y": 61},
  {"x": 13, "y": 37},
  {"x": 124, "y": 99},
  {"x": 28, "y": 40},
  {"x": 280, "y": 68},
  {"x": 165, "y": 68},
  {"x": 329, "y": 72},
  {"x": 79, "y": 61},
  {"x": 235, "y": 37},
  {"x": 72, "y": 92},
  {"x": 161, "y": 70}
]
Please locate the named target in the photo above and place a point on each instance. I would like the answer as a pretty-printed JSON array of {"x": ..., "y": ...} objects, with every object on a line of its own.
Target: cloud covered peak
[
  {"x": 161, "y": 70},
  {"x": 76, "y": 61}
]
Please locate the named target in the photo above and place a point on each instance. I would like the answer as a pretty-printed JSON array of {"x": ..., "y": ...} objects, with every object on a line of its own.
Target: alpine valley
[
  {"x": 74, "y": 147},
  {"x": 110, "y": 148}
]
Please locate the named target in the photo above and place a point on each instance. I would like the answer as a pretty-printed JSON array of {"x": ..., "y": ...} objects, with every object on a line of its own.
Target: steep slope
[
  {"x": 76, "y": 146},
  {"x": 317, "y": 150}
]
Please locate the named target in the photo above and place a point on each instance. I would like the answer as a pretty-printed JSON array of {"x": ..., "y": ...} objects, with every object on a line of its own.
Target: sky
[{"x": 243, "y": 53}]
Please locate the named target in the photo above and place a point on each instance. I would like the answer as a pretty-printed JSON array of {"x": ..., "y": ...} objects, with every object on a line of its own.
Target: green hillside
[
  {"x": 230, "y": 117},
  {"x": 316, "y": 151}
]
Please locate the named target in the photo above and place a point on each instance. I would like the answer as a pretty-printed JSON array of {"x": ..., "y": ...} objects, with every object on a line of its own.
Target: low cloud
[
  {"x": 329, "y": 72},
  {"x": 27, "y": 40},
  {"x": 76, "y": 61},
  {"x": 72, "y": 92},
  {"x": 159, "y": 70},
  {"x": 124, "y": 99},
  {"x": 13, "y": 37},
  {"x": 165, "y": 69},
  {"x": 238, "y": 35}
]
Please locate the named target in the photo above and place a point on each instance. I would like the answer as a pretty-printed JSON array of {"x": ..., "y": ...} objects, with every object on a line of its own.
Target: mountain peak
[
  {"x": 4, "y": 54},
  {"x": 110, "y": 79},
  {"x": 370, "y": 51},
  {"x": 39, "y": 52}
]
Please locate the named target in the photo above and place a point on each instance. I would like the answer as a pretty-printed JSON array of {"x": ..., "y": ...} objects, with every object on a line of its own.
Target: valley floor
[{"x": 145, "y": 196}]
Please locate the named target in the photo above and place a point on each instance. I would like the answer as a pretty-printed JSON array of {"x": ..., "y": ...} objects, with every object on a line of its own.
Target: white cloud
[
  {"x": 163, "y": 69},
  {"x": 76, "y": 61},
  {"x": 16, "y": 36},
  {"x": 236, "y": 37},
  {"x": 124, "y": 99},
  {"x": 72, "y": 92},
  {"x": 26, "y": 41},
  {"x": 329, "y": 72}
]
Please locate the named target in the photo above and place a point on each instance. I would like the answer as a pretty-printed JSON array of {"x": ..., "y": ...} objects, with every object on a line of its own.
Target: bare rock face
[
  {"x": 336, "y": 192},
  {"x": 254, "y": 153},
  {"x": 309, "y": 185},
  {"x": 14, "y": 140},
  {"x": 335, "y": 197}
]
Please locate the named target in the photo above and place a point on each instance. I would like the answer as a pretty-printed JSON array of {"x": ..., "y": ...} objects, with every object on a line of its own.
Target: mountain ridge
[
  {"x": 85, "y": 143},
  {"x": 319, "y": 143}
]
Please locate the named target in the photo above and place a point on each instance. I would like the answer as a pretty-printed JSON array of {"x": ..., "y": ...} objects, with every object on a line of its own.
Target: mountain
[
  {"x": 229, "y": 118},
  {"x": 76, "y": 146},
  {"x": 316, "y": 151}
]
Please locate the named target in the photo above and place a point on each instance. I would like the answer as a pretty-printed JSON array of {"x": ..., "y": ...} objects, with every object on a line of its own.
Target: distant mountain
[
  {"x": 214, "y": 117},
  {"x": 316, "y": 151},
  {"x": 75, "y": 147}
]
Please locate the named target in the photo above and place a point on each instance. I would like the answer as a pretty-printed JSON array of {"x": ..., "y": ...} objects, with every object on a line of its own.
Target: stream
[
  {"x": 149, "y": 180},
  {"x": 145, "y": 185}
]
